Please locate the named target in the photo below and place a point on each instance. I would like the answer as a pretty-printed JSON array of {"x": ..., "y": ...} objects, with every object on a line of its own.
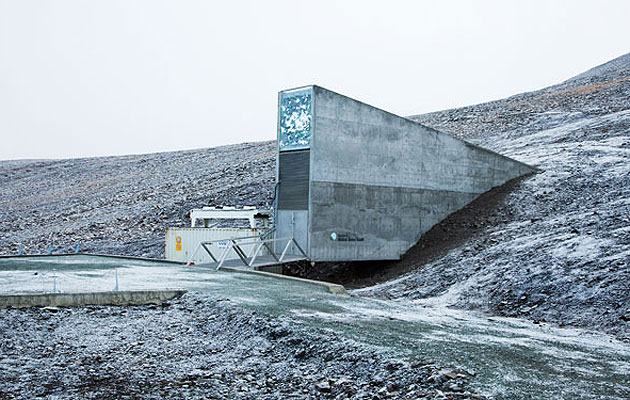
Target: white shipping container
[{"x": 183, "y": 244}]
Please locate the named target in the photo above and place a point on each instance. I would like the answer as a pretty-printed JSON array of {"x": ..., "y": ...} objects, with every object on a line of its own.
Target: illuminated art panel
[{"x": 295, "y": 118}]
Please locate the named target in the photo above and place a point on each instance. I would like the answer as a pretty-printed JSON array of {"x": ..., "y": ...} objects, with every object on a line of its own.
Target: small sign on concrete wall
[{"x": 178, "y": 243}]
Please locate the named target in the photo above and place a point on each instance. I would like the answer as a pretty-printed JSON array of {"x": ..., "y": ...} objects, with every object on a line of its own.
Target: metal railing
[
  {"x": 257, "y": 242},
  {"x": 59, "y": 281},
  {"x": 206, "y": 246}
]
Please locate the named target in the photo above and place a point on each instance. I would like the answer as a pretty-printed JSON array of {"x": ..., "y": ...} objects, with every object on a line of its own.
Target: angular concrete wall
[{"x": 379, "y": 181}]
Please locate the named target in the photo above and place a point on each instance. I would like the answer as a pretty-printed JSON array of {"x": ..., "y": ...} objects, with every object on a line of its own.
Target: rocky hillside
[
  {"x": 122, "y": 205},
  {"x": 555, "y": 247}
]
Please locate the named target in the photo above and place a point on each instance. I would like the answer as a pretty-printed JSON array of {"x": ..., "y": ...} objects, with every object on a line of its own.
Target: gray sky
[{"x": 87, "y": 78}]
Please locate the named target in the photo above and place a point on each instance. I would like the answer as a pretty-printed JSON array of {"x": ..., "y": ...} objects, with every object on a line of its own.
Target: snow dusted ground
[
  {"x": 557, "y": 248},
  {"x": 561, "y": 253},
  {"x": 238, "y": 335},
  {"x": 122, "y": 205}
]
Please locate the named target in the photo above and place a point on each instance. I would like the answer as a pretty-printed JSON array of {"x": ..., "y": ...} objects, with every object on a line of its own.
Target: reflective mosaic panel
[{"x": 295, "y": 120}]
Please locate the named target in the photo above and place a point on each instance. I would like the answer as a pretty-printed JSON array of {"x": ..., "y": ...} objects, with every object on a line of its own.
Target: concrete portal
[{"x": 359, "y": 183}]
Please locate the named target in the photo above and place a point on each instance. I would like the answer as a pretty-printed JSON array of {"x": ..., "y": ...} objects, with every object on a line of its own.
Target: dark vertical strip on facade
[{"x": 293, "y": 180}]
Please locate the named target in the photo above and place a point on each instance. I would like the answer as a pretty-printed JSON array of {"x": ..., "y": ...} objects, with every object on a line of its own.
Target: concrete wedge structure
[{"x": 359, "y": 183}]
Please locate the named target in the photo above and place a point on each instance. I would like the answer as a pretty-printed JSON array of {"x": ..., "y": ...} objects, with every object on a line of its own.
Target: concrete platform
[{"x": 94, "y": 274}]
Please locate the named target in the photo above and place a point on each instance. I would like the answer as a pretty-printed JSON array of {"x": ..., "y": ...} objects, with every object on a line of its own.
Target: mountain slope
[
  {"x": 618, "y": 68},
  {"x": 123, "y": 205},
  {"x": 557, "y": 247}
]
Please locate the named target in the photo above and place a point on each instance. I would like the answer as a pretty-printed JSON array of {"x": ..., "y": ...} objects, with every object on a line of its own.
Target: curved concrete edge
[
  {"x": 121, "y": 298},
  {"x": 331, "y": 287}
]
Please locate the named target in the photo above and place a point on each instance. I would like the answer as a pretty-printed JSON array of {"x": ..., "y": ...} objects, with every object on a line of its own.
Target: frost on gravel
[
  {"x": 561, "y": 253},
  {"x": 122, "y": 205}
]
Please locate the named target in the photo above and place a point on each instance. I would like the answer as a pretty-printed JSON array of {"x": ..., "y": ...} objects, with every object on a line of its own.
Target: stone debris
[
  {"x": 219, "y": 351},
  {"x": 552, "y": 247}
]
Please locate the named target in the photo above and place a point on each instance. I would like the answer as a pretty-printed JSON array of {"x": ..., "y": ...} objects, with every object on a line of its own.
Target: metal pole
[
  {"x": 255, "y": 254},
  {"x": 225, "y": 252},
  {"x": 285, "y": 250}
]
